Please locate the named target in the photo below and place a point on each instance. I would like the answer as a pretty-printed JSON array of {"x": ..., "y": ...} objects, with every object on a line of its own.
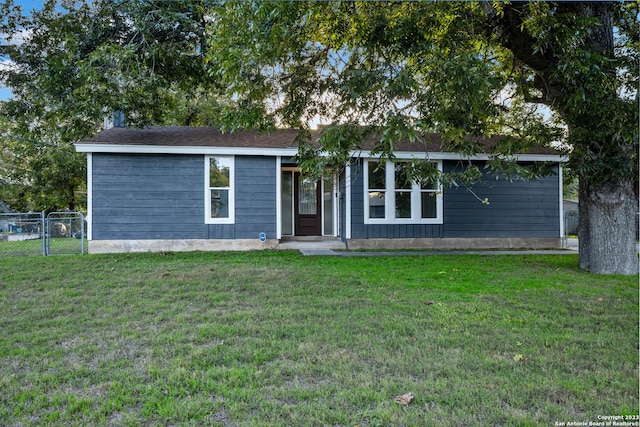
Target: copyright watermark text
[{"x": 604, "y": 421}]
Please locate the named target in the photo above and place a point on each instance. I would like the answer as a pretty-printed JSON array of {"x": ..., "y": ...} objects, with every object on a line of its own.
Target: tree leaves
[
  {"x": 397, "y": 70},
  {"x": 72, "y": 68}
]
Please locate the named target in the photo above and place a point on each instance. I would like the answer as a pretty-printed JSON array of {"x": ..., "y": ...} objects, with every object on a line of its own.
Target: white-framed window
[
  {"x": 390, "y": 197},
  {"x": 219, "y": 185}
]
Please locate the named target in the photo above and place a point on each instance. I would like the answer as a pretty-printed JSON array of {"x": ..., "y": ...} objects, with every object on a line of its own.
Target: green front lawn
[
  {"x": 57, "y": 245},
  {"x": 274, "y": 338}
]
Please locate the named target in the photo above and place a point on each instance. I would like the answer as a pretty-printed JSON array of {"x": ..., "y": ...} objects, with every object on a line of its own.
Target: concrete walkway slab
[
  {"x": 318, "y": 252},
  {"x": 312, "y": 245},
  {"x": 452, "y": 253},
  {"x": 338, "y": 248},
  {"x": 330, "y": 252}
]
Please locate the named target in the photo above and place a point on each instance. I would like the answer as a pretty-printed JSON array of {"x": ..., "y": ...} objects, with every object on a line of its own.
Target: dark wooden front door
[{"x": 307, "y": 206}]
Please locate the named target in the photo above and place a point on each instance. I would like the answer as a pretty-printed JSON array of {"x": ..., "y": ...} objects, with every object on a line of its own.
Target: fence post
[
  {"x": 82, "y": 232},
  {"x": 43, "y": 229}
]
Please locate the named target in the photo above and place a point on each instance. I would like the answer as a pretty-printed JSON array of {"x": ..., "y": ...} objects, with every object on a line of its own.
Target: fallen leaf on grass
[
  {"x": 404, "y": 399},
  {"x": 518, "y": 358}
]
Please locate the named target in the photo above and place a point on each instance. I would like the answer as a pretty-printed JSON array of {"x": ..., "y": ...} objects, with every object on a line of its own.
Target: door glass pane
[
  {"x": 403, "y": 204},
  {"x": 376, "y": 204},
  {"x": 308, "y": 200},
  {"x": 219, "y": 203},
  {"x": 287, "y": 203},
  {"x": 328, "y": 206},
  {"x": 428, "y": 204}
]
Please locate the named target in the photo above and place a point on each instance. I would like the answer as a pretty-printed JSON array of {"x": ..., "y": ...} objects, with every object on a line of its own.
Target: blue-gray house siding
[
  {"x": 516, "y": 209},
  {"x": 162, "y": 197},
  {"x": 255, "y": 197}
]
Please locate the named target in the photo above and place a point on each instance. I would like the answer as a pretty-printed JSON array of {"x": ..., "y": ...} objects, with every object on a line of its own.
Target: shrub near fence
[{"x": 40, "y": 234}]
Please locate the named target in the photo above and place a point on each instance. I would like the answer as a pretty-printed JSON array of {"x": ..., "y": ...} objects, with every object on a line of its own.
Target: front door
[{"x": 307, "y": 210}]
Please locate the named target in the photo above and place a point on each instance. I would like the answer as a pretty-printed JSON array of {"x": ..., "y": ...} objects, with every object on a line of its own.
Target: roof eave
[{"x": 290, "y": 151}]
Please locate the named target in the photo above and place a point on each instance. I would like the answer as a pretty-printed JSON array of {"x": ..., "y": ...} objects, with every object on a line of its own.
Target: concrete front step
[{"x": 312, "y": 244}]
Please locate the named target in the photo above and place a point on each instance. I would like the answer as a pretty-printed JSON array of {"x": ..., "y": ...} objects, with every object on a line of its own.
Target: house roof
[
  {"x": 186, "y": 136},
  {"x": 183, "y": 139}
]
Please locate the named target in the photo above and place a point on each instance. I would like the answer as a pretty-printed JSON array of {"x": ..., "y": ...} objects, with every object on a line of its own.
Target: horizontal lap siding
[
  {"x": 162, "y": 197},
  {"x": 515, "y": 209},
  {"x": 255, "y": 197},
  {"x": 148, "y": 197}
]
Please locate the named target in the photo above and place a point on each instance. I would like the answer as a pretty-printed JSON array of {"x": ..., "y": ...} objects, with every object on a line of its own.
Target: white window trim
[
  {"x": 207, "y": 193},
  {"x": 390, "y": 199}
]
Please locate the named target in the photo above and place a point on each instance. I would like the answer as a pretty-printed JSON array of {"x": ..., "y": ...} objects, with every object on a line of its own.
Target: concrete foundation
[
  {"x": 213, "y": 245},
  {"x": 467, "y": 243},
  {"x": 189, "y": 245}
]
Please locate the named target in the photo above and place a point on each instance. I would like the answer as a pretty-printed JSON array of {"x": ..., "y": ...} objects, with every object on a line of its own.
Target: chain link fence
[
  {"x": 39, "y": 234},
  {"x": 571, "y": 220},
  {"x": 22, "y": 234},
  {"x": 65, "y": 233}
]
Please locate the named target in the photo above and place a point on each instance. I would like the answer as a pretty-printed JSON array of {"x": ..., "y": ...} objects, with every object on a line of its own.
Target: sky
[{"x": 27, "y": 7}]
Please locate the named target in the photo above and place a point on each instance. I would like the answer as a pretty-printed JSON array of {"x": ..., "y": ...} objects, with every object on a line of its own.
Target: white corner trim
[
  {"x": 89, "y": 217},
  {"x": 278, "y": 197},
  {"x": 561, "y": 210},
  {"x": 347, "y": 198}
]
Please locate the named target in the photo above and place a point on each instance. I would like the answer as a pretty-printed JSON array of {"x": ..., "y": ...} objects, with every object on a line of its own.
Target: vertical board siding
[
  {"x": 515, "y": 209},
  {"x": 358, "y": 230},
  {"x": 162, "y": 197},
  {"x": 342, "y": 205}
]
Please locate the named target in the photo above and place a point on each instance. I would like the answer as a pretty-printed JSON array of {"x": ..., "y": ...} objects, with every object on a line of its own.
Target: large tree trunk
[
  {"x": 607, "y": 229},
  {"x": 590, "y": 105}
]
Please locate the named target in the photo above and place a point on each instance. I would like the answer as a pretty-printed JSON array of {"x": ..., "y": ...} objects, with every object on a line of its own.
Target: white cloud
[{"x": 7, "y": 64}]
